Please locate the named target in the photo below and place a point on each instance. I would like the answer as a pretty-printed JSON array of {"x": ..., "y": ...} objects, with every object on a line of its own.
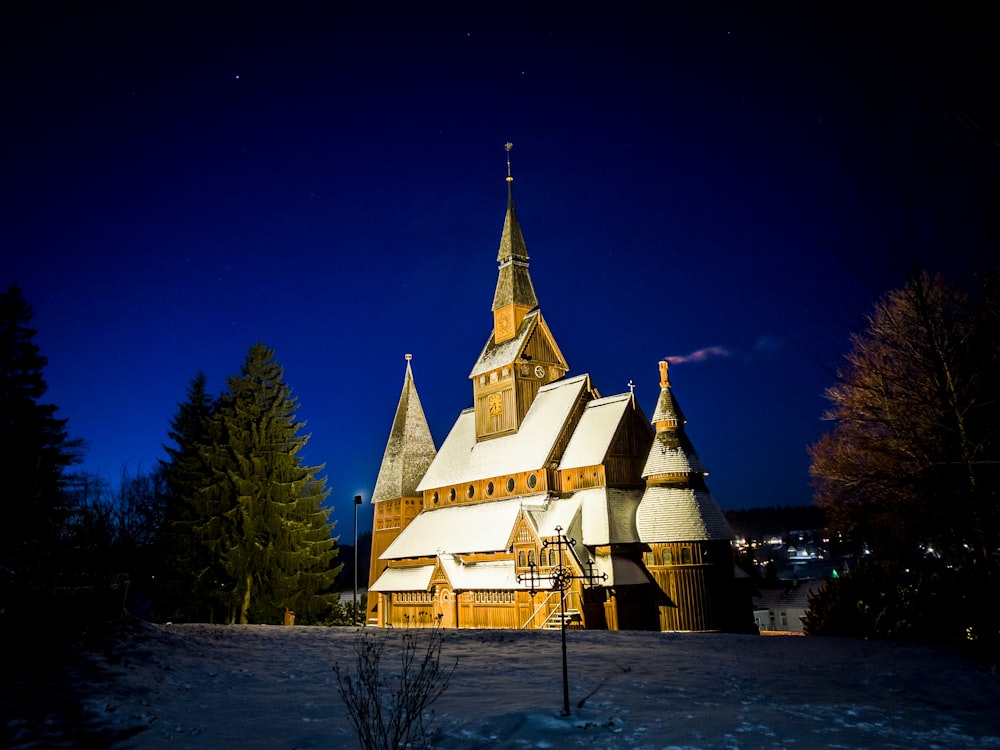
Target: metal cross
[{"x": 560, "y": 578}]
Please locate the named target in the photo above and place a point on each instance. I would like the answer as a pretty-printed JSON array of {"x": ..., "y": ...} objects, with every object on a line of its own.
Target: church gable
[
  {"x": 629, "y": 450},
  {"x": 439, "y": 577},
  {"x": 524, "y": 532},
  {"x": 540, "y": 348},
  {"x": 608, "y": 446}
]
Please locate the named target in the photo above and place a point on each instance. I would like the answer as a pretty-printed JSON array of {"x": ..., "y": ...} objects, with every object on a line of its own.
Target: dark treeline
[{"x": 231, "y": 527}]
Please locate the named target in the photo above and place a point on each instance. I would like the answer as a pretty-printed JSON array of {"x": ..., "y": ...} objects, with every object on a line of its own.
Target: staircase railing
[
  {"x": 538, "y": 609},
  {"x": 567, "y": 612}
]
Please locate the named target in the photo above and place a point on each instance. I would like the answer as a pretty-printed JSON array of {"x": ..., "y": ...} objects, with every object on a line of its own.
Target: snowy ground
[{"x": 202, "y": 686}]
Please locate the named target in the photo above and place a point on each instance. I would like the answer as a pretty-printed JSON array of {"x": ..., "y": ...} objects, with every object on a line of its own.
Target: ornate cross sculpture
[{"x": 560, "y": 578}]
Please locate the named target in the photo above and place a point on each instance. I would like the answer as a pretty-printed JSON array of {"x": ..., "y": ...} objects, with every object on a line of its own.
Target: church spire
[
  {"x": 515, "y": 294},
  {"x": 520, "y": 355},
  {"x": 410, "y": 448}
]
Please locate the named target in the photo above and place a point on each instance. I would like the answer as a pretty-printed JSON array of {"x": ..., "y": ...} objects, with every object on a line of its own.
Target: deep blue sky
[{"x": 180, "y": 185}]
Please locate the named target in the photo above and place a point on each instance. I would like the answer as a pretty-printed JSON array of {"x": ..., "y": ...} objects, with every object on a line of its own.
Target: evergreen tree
[
  {"x": 35, "y": 452},
  {"x": 189, "y": 578},
  {"x": 266, "y": 523}
]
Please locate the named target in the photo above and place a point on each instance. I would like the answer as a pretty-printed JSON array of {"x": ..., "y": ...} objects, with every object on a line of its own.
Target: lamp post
[{"x": 354, "y": 611}]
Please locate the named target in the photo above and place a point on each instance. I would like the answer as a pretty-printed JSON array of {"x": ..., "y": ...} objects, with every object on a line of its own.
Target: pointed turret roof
[
  {"x": 676, "y": 506},
  {"x": 410, "y": 449},
  {"x": 672, "y": 452},
  {"x": 513, "y": 282},
  {"x": 667, "y": 408}
]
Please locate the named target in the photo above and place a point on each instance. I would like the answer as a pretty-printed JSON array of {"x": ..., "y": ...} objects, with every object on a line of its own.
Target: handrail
[
  {"x": 567, "y": 608},
  {"x": 538, "y": 609}
]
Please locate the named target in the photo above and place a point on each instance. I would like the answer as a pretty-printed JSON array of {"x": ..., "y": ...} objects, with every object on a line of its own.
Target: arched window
[
  {"x": 531, "y": 557},
  {"x": 668, "y": 557},
  {"x": 685, "y": 555},
  {"x": 520, "y": 559},
  {"x": 553, "y": 557}
]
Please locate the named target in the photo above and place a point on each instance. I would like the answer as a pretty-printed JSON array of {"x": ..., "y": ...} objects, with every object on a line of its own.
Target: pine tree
[
  {"x": 189, "y": 578},
  {"x": 267, "y": 524},
  {"x": 35, "y": 452}
]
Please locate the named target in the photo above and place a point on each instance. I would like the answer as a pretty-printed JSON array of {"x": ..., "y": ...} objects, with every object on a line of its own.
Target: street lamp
[{"x": 354, "y": 612}]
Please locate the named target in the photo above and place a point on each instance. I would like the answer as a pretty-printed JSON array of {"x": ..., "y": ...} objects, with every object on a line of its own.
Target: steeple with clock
[{"x": 520, "y": 356}]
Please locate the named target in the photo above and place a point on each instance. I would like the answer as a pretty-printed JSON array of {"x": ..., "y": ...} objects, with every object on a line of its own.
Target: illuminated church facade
[{"x": 547, "y": 504}]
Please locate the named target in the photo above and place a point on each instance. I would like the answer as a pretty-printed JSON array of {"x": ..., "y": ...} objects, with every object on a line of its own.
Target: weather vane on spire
[{"x": 508, "y": 146}]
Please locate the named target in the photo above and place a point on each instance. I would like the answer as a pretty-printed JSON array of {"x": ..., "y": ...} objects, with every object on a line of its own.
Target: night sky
[{"x": 731, "y": 188}]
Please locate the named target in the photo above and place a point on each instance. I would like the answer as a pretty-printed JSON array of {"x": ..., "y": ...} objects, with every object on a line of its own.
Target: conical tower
[
  {"x": 408, "y": 452},
  {"x": 521, "y": 355},
  {"x": 689, "y": 540}
]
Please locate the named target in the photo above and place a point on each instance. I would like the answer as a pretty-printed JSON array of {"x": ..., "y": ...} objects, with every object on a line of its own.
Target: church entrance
[{"x": 444, "y": 608}]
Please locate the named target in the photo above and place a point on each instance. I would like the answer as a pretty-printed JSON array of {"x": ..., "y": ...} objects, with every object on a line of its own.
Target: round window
[
  {"x": 451, "y": 494},
  {"x": 435, "y": 498},
  {"x": 532, "y": 481},
  {"x": 510, "y": 485},
  {"x": 471, "y": 492},
  {"x": 489, "y": 488}
]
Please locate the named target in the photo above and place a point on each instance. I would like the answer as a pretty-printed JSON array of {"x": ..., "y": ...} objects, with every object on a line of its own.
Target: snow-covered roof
[
  {"x": 481, "y": 527},
  {"x": 796, "y": 596},
  {"x": 680, "y": 514},
  {"x": 559, "y": 513},
  {"x": 609, "y": 515},
  {"x": 592, "y": 437},
  {"x": 672, "y": 453},
  {"x": 412, "y": 578},
  {"x": 462, "y": 459},
  {"x": 667, "y": 409},
  {"x": 497, "y": 355},
  {"x": 620, "y": 571},
  {"x": 482, "y": 576}
]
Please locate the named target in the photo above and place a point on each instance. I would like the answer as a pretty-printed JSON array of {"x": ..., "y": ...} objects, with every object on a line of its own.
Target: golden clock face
[
  {"x": 495, "y": 403},
  {"x": 505, "y": 324},
  {"x": 539, "y": 371}
]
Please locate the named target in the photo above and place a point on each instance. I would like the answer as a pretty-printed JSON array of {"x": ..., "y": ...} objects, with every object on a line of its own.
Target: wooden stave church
[{"x": 466, "y": 536}]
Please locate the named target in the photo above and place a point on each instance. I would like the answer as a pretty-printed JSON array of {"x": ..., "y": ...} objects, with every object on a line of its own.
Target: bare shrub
[{"x": 388, "y": 707}]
